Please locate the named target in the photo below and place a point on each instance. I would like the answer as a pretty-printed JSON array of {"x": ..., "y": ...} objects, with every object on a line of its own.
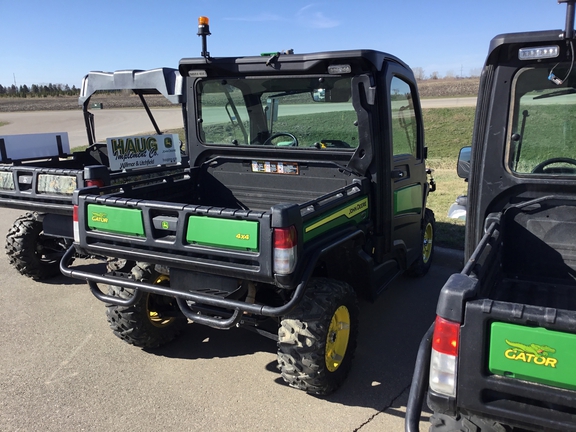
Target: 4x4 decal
[{"x": 533, "y": 353}]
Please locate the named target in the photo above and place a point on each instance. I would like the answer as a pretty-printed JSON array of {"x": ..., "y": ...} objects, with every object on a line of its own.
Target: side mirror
[
  {"x": 463, "y": 168},
  {"x": 319, "y": 95},
  {"x": 335, "y": 94}
]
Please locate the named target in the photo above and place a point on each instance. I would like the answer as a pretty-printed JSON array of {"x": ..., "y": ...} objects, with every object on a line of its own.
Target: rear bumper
[
  {"x": 231, "y": 308},
  {"x": 235, "y": 307}
]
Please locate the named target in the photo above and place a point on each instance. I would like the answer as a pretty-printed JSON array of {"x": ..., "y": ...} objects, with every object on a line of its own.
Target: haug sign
[{"x": 132, "y": 152}]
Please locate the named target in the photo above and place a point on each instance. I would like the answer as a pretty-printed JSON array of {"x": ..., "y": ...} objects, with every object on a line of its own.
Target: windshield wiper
[{"x": 556, "y": 93}]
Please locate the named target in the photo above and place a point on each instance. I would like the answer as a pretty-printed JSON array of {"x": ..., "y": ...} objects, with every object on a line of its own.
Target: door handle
[{"x": 397, "y": 174}]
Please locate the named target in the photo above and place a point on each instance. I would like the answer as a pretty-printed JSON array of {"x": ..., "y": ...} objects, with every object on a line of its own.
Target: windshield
[
  {"x": 543, "y": 138},
  {"x": 289, "y": 112}
]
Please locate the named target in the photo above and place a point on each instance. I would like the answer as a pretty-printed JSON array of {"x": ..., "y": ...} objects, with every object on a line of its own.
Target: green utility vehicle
[
  {"x": 307, "y": 187},
  {"x": 501, "y": 354},
  {"x": 39, "y": 173}
]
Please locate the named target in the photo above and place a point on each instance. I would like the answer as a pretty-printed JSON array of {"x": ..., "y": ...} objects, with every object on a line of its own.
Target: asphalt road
[
  {"x": 63, "y": 369},
  {"x": 108, "y": 123}
]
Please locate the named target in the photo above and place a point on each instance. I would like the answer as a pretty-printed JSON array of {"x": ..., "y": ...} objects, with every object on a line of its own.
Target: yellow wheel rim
[
  {"x": 337, "y": 339},
  {"x": 427, "y": 244},
  {"x": 155, "y": 319}
]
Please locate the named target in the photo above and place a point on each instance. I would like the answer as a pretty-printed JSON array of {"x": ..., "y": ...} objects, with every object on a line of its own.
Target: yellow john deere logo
[
  {"x": 349, "y": 212},
  {"x": 533, "y": 353},
  {"x": 100, "y": 217}
]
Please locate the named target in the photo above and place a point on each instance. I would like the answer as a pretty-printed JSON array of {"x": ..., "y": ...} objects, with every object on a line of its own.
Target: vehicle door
[{"x": 408, "y": 170}]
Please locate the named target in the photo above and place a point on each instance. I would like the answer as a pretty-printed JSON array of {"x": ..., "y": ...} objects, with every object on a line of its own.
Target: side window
[
  {"x": 222, "y": 108},
  {"x": 404, "y": 128}
]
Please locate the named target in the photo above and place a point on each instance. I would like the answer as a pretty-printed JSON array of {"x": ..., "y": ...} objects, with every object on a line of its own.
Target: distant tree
[
  {"x": 38, "y": 90},
  {"x": 449, "y": 74},
  {"x": 475, "y": 72},
  {"x": 434, "y": 75},
  {"x": 419, "y": 73}
]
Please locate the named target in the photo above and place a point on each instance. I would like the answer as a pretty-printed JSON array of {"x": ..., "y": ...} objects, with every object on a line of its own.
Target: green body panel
[
  {"x": 533, "y": 354},
  {"x": 356, "y": 211},
  {"x": 226, "y": 233},
  {"x": 116, "y": 220},
  {"x": 408, "y": 200}
]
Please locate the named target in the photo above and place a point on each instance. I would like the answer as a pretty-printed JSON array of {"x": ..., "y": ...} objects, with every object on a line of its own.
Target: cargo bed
[{"x": 220, "y": 217}]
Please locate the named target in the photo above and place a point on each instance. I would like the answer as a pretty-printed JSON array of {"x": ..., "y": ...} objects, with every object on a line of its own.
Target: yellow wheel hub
[
  {"x": 337, "y": 339},
  {"x": 155, "y": 319},
  {"x": 427, "y": 244}
]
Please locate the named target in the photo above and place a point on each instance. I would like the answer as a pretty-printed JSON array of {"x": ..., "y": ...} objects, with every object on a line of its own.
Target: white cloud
[{"x": 311, "y": 16}]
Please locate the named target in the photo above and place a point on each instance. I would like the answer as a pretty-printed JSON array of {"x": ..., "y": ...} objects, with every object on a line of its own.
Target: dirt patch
[
  {"x": 9, "y": 104},
  {"x": 444, "y": 88}
]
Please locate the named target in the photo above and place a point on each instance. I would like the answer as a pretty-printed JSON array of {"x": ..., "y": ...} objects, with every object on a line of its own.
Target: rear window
[
  {"x": 291, "y": 112},
  {"x": 543, "y": 122}
]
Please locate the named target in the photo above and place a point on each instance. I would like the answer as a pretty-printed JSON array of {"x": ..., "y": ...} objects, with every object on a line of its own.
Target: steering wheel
[
  {"x": 539, "y": 169},
  {"x": 279, "y": 134}
]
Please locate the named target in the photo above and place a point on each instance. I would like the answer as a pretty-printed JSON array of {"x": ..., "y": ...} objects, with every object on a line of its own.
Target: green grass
[
  {"x": 449, "y": 232},
  {"x": 446, "y": 131},
  {"x": 3, "y": 124}
]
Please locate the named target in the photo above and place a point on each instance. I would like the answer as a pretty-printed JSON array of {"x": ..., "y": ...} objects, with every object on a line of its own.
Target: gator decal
[
  {"x": 520, "y": 352},
  {"x": 408, "y": 200},
  {"x": 224, "y": 233},
  {"x": 115, "y": 220},
  {"x": 538, "y": 354},
  {"x": 57, "y": 184},
  {"x": 356, "y": 212}
]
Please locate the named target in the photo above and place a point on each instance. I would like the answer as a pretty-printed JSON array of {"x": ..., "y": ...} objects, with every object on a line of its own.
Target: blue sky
[{"x": 45, "y": 41}]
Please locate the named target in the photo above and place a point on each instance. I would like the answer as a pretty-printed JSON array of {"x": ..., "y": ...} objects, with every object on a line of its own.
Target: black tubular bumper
[
  {"x": 419, "y": 383},
  {"x": 181, "y": 297},
  {"x": 202, "y": 299}
]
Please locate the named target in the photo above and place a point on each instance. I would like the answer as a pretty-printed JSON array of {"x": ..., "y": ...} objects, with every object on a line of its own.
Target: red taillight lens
[
  {"x": 75, "y": 225},
  {"x": 95, "y": 182},
  {"x": 285, "y": 250},
  {"x": 446, "y": 336},
  {"x": 285, "y": 238}
]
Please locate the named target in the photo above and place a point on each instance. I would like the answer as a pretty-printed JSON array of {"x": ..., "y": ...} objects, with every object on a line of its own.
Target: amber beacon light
[{"x": 204, "y": 30}]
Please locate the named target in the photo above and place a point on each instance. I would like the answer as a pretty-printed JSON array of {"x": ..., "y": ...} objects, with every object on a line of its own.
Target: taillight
[
  {"x": 75, "y": 224},
  {"x": 285, "y": 246},
  {"x": 95, "y": 182},
  {"x": 444, "y": 357}
]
